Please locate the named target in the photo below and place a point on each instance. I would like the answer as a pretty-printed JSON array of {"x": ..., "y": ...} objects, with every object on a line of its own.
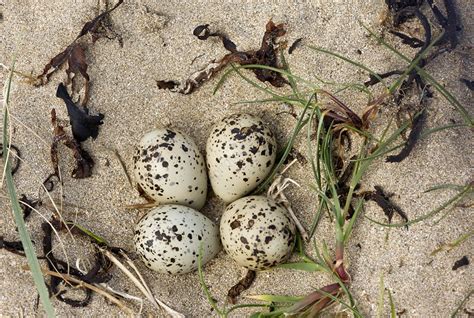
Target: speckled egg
[
  {"x": 169, "y": 237},
  {"x": 257, "y": 232},
  {"x": 170, "y": 169},
  {"x": 241, "y": 152}
]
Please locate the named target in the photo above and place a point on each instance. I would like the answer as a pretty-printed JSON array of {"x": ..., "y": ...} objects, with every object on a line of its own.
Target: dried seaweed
[
  {"x": 241, "y": 286},
  {"x": 468, "y": 83},
  {"x": 84, "y": 162},
  {"x": 97, "y": 274},
  {"x": 415, "y": 133},
  {"x": 464, "y": 261},
  {"x": 294, "y": 45},
  {"x": 14, "y": 247},
  {"x": 383, "y": 200},
  {"x": 83, "y": 125},
  {"x": 265, "y": 55},
  {"x": 16, "y": 157},
  {"x": 27, "y": 205},
  {"x": 74, "y": 55}
]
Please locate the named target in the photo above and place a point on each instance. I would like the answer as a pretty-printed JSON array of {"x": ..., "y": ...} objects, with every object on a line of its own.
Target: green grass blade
[
  {"x": 18, "y": 214},
  {"x": 348, "y": 60}
]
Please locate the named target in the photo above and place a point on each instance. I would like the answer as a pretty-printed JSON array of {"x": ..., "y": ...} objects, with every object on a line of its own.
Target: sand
[{"x": 158, "y": 44}]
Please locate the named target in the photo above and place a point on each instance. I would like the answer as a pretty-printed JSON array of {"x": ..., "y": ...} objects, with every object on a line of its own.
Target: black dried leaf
[
  {"x": 241, "y": 286},
  {"x": 84, "y": 162},
  {"x": 16, "y": 158},
  {"x": 383, "y": 201},
  {"x": 413, "y": 137},
  {"x": 468, "y": 83},
  {"x": 464, "y": 261},
  {"x": 83, "y": 125},
  {"x": 294, "y": 45}
]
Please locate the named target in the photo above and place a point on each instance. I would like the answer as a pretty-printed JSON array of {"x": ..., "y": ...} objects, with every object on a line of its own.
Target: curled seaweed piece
[
  {"x": 415, "y": 133},
  {"x": 265, "y": 55},
  {"x": 294, "y": 45},
  {"x": 383, "y": 200},
  {"x": 83, "y": 125},
  {"x": 97, "y": 274},
  {"x": 17, "y": 157},
  {"x": 241, "y": 286},
  {"x": 84, "y": 162}
]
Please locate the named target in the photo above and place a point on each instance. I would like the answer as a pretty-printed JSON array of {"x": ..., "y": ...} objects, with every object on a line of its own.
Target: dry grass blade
[
  {"x": 140, "y": 283},
  {"x": 80, "y": 283}
]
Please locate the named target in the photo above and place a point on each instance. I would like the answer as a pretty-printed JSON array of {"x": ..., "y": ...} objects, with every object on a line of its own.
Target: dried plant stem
[
  {"x": 276, "y": 192},
  {"x": 80, "y": 283}
]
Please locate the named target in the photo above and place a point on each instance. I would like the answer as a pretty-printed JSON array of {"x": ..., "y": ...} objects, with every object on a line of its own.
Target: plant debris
[
  {"x": 415, "y": 133},
  {"x": 84, "y": 162},
  {"x": 83, "y": 125},
  {"x": 241, "y": 286},
  {"x": 28, "y": 205},
  {"x": 265, "y": 55},
  {"x": 16, "y": 157},
  {"x": 383, "y": 200},
  {"x": 97, "y": 274},
  {"x": 74, "y": 53},
  {"x": 15, "y": 247},
  {"x": 464, "y": 261},
  {"x": 294, "y": 45},
  {"x": 468, "y": 83}
]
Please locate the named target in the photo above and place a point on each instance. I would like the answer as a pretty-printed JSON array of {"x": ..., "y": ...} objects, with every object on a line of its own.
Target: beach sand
[{"x": 158, "y": 44}]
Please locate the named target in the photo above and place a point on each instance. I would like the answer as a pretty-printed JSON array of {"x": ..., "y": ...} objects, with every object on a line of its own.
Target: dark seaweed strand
[
  {"x": 61, "y": 267},
  {"x": 383, "y": 201},
  {"x": 294, "y": 45},
  {"x": 411, "y": 41},
  {"x": 468, "y": 83},
  {"x": 95, "y": 275},
  {"x": 17, "y": 160},
  {"x": 417, "y": 127},
  {"x": 241, "y": 286},
  {"x": 449, "y": 23},
  {"x": 374, "y": 80}
]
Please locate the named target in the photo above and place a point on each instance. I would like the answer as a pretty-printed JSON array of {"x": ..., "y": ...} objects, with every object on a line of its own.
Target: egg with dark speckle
[
  {"x": 169, "y": 237},
  {"x": 240, "y": 153},
  {"x": 170, "y": 169},
  {"x": 257, "y": 232}
]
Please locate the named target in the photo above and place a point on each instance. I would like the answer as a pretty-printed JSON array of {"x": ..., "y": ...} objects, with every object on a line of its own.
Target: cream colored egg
[
  {"x": 170, "y": 169},
  {"x": 240, "y": 153},
  {"x": 169, "y": 239}
]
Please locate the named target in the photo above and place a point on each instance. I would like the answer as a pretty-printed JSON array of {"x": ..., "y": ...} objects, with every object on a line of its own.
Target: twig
[{"x": 276, "y": 192}]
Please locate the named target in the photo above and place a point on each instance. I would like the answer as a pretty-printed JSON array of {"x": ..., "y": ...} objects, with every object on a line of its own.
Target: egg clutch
[{"x": 255, "y": 231}]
